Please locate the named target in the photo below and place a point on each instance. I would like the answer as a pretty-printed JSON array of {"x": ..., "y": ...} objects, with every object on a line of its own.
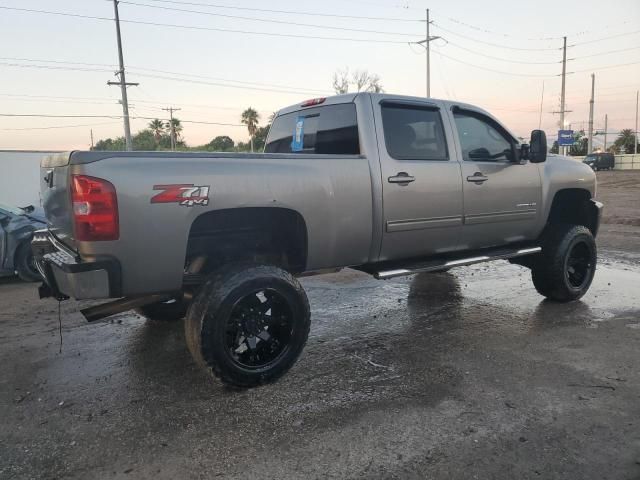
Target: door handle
[
  {"x": 402, "y": 178},
  {"x": 477, "y": 177}
]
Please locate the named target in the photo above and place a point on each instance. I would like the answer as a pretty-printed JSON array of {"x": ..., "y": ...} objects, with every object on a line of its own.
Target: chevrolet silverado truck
[{"x": 390, "y": 185}]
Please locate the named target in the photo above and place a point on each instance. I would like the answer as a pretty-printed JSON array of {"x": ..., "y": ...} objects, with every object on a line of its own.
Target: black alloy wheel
[
  {"x": 248, "y": 323},
  {"x": 259, "y": 329}
]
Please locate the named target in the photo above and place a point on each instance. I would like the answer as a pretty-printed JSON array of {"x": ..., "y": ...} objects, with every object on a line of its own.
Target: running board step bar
[{"x": 444, "y": 264}]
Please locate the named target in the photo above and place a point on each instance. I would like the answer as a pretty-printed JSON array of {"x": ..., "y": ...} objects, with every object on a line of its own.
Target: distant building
[{"x": 20, "y": 176}]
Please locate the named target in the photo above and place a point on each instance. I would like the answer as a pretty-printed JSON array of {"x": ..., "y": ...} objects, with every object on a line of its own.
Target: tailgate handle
[
  {"x": 477, "y": 177},
  {"x": 49, "y": 178},
  {"x": 403, "y": 178}
]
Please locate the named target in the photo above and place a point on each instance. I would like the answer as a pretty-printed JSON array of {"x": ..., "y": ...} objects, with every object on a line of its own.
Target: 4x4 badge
[{"x": 186, "y": 194}]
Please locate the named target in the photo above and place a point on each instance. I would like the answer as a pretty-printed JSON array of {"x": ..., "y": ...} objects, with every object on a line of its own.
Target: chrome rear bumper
[{"x": 66, "y": 275}]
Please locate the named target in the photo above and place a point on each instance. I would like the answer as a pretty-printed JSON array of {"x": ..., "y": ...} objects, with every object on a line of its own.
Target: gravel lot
[{"x": 467, "y": 374}]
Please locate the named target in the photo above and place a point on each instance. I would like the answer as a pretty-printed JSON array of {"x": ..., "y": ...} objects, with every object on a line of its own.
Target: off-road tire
[
  {"x": 24, "y": 264},
  {"x": 552, "y": 272},
  {"x": 212, "y": 309},
  {"x": 164, "y": 311}
]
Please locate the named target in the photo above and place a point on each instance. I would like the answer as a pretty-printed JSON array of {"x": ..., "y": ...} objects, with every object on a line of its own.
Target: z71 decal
[{"x": 186, "y": 194}]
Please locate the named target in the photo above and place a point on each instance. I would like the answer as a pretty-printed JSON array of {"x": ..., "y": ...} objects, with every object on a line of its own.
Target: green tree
[
  {"x": 157, "y": 127},
  {"x": 220, "y": 144},
  {"x": 250, "y": 118},
  {"x": 110, "y": 144},
  {"x": 580, "y": 144},
  {"x": 260, "y": 137},
  {"x": 174, "y": 130},
  {"x": 625, "y": 141},
  {"x": 145, "y": 140}
]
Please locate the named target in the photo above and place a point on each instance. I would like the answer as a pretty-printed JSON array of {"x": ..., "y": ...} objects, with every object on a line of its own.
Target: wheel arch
[
  {"x": 574, "y": 206},
  {"x": 275, "y": 235}
]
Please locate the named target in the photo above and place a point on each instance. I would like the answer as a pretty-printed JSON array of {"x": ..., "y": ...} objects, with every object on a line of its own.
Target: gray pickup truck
[{"x": 390, "y": 185}]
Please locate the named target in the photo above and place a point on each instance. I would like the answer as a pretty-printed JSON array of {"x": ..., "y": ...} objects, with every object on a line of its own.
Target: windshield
[
  {"x": 11, "y": 210},
  {"x": 589, "y": 158}
]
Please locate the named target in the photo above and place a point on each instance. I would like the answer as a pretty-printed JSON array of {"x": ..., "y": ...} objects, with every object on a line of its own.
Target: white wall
[
  {"x": 20, "y": 177},
  {"x": 627, "y": 162}
]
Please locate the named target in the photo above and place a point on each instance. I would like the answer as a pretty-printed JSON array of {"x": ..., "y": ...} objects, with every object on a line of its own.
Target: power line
[
  {"x": 605, "y": 38},
  {"x": 604, "y": 53},
  {"x": 60, "y": 126},
  {"x": 497, "y": 71},
  {"x": 52, "y": 96},
  {"x": 294, "y": 12},
  {"x": 60, "y": 62},
  {"x": 113, "y": 101},
  {"x": 266, "y": 20},
  {"x": 213, "y": 29},
  {"x": 500, "y": 58},
  {"x": 287, "y": 88},
  {"x": 47, "y": 115},
  {"x": 19, "y": 59},
  {"x": 495, "y": 44},
  {"x": 605, "y": 67},
  {"x": 50, "y": 100},
  {"x": 53, "y": 67},
  {"x": 242, "y": 85},
  {"x": 484, "y": 30},
  {"x": 215, "y": 84}
]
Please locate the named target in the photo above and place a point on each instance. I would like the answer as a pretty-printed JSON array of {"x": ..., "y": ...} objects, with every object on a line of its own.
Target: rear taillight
[{"x": 95, "y": 209}]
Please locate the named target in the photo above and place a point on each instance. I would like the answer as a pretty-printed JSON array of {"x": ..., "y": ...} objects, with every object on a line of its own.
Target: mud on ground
[{"x": 467, "y": 374}]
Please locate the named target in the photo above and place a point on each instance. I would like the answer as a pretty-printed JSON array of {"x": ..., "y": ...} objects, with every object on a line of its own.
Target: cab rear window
[{"x": 330, "y": 129}]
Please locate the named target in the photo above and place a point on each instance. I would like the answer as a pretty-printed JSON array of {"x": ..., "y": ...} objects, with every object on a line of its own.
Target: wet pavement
[{"x": 466, "y": 374}]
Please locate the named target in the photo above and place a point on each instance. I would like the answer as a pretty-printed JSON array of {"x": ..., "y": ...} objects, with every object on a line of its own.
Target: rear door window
[
  {"x": 413, "y": 132},
  {"x": 331, "y": 129}
]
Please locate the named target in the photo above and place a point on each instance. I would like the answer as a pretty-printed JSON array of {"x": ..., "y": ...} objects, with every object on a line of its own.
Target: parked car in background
[
  {"x": 16, "y": 229},
  {"x": 600, "y": 161}
]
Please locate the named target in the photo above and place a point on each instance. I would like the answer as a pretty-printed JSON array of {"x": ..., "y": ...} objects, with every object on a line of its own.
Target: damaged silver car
[{"x": 16, "y": 229}]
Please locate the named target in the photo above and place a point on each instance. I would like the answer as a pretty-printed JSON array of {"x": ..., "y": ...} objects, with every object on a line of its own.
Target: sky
[{"x": 212, "y": 65}]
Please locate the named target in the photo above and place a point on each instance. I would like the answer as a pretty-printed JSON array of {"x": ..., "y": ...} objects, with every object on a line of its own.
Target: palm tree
[
  {"x": 250, "y": 118},
  {"x": 177, "y": 127},
  {"x": 626, "y": 140},
  {"x": 157, "y": 127},
  {"x": 174, "y": 126}
]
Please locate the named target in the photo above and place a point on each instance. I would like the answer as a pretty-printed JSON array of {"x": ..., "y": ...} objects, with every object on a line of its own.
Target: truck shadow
[
  {"x": 549, "y": 314},
  {"x": 13, "y": 279}
]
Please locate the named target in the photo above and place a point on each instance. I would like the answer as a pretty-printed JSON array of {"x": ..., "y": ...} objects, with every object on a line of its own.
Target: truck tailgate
[{"x": 55, "y": 195}]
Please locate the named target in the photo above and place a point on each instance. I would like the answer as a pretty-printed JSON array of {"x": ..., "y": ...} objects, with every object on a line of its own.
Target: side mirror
[
  {"x": 29, "y": 208},
  {"x": 479, "y": 154},
  {"x": 538, "y": 147}
]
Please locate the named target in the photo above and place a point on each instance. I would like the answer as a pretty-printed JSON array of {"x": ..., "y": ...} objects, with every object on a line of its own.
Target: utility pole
[
  {"x": 564, "y": 74},
  {"x": 590, "y": 140},
  {"x": 172, "y": 128},
  {"x": 122, "y": 82},
  {"x": 91, "y": 139},
  {"x": 541, "y": 102},
  {"x": 635, "y": 134},
  {"x": 427, "y": 47},
  {"x": 606, "y": 121}
]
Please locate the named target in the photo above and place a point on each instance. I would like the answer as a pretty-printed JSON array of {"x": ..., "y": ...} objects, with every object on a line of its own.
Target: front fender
[{"x": 595, "y": 214}]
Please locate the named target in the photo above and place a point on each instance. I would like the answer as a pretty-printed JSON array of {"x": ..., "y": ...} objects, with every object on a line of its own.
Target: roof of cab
[
  {"x": 350, "y": 97},
  {"x": 332, "y": 100}
]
